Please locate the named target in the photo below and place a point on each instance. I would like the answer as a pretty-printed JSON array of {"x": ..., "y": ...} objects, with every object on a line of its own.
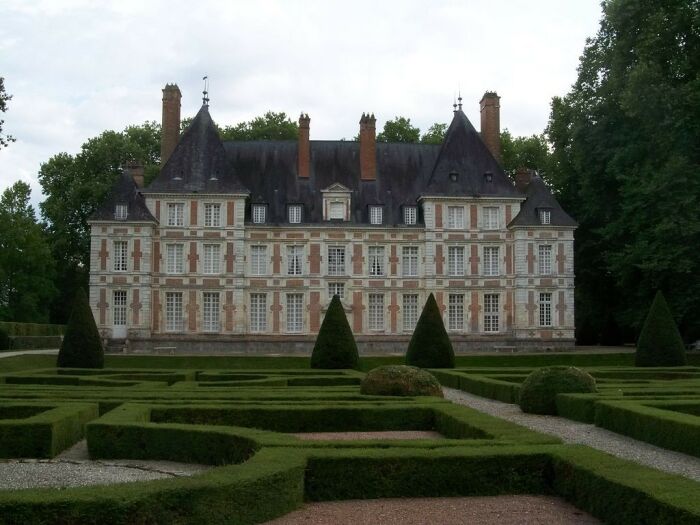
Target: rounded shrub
[
  {"x": 539, "y": 390},
  {"x": 335, "y": 345},
  {"x": 400, "y": 380},
  {"x": 430, "y": 346},
  {"x": 81, "y": 346},
  {"x": 660, "y": 343}
]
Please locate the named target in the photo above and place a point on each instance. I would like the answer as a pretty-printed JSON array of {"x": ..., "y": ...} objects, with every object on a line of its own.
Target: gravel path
[
  {"x": 492, "y": 510},
  {"x": 585, "y": 434},
  {"x": 73, "y": 468},
  {"x": 354, "y": 436}
]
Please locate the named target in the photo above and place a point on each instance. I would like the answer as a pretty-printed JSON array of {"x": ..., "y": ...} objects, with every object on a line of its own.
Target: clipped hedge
[
  {"x": 538, "y": 392},
  {"x": 31, "y": 342},
  {"x": 400, "y": 380},
  {"x": 32, "y": 329}
]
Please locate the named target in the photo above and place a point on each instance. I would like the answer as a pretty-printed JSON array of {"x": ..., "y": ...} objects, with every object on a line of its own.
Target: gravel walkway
[
  {"x": 73, "y": 468},
  {"x": 354, "y": 436},
  {"x": 492, "y": 510},
  {"x": 585, "y": 434}
]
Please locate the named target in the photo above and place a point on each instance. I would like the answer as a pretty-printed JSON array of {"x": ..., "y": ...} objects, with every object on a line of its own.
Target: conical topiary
[
  {"x": 430, "y": 346},
  {"x": 335, "y": 345},
  {"x": 660, "y": 343},
  {"x": 81, "y": 346}
]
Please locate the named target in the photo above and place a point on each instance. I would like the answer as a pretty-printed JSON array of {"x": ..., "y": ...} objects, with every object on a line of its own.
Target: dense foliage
[
  {"x": 430, "y": 346},
  {"x": 4, "y": 339},
  {"x": 400, "y": 380},
  {"x": 335, "y": 345},
  {"x": 82, "y": 346},
  {"x": 4, "y": 97},
  {"x": 659, "y": 343},
  {"x": 539, "y": 390}
]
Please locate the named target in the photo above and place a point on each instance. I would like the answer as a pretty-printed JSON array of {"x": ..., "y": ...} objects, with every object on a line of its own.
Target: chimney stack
[
  {"x": 136, "y": 171},
  {"x": 304, "y": 147},
  {"x": 523, "y": 177},
  {"x": 491, "y": 123},
  {"x": 170, "y": 128},
  {"x": 368, "y": 147}
]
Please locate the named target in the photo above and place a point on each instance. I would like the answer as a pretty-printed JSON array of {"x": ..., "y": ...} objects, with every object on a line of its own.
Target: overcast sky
[{"x": 79, "y": 67}]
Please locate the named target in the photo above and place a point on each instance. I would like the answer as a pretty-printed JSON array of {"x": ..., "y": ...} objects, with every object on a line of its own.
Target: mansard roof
[
  {"x": 539, "y": 197},
  {"x": 126, "y": 192}
]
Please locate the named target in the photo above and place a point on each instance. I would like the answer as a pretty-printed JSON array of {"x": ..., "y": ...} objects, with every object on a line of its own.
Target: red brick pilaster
[
  {"x": 530, "y": 259},
  {"x": 561, "y": 308},
  {"x": 103, "y": 254},
  {"x": 561, "y": 258},
  {"x": 155, "y": 310},
  {"x": 158, "y": 210},
  {"x": 102, "y": 306},
  {"x": 439, "y": 260},
  {"x": 192, "y": 309},
  {"x": 473, "y": 217},
  {"x": 315, "y": 259},
  {"x": 474, "y": 260},
  {"x": 192, "y": 257},
  {"x": 314, "y": 311},
  {"x": 393, "y": 260},
  {"x": 509, "y": 259},
  {"x": 509, "y": 214},
  {"x": 276, "y": 259},
  {"x": 357, "y": 308},
  {"x": 276, "y": 309},
  {"x": 230, "y": 205},
  {"x": 135, "y": 307},
  {"x": 531, "y": 307},
  {"x": 510, "y": 303},
  {"x": 136, "y": 255},
  {"x": 357, "y": 259},
  {"x": 156, "y": 257},
  {"x": 474, "y": 309},
  {"x": 230, "y": 310},
  {"x": 393, "y": 311},
  {"x": 230, "y": 257},
  {"x": 193, "y": 213},
  {"x": 438, "y": 215},
  {"x": 440, "y": 302}
]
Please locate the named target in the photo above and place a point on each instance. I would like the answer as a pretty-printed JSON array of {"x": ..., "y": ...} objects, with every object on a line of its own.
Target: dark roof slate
[
  {"x": 539, "y": 197},
  {"x": 126, "y": 192}
]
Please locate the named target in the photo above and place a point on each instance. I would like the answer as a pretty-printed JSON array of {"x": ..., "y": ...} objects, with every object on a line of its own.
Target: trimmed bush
[
  {"x": 539, "y": 391},
  {"x": 335, "y": 345},
  {"x": 81, "y": 346},
  {"x": 660, "y": 343},
  {"x": 4, "y": 340},
  {"x": 400, "y": 380},
  {"x": 430, "y": 346}
]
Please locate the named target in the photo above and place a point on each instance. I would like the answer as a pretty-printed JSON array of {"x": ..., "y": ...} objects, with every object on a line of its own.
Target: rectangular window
[
  {"x": 376, "y": 311},
  {"x": 376, "y": 260},
  {"x": 211, "y": 311},
  {"x": 294, "y": 213},
  {"x": 258, "y": 312},
  {"x": 375, "y": 214},
  {"x": 212, "y": 258},
  {"x": 455, "y": 217},
  {"x": 336, "y": 260},
  {"x": 455, "y": 312},
  {"x": 491, "y": 312},
  {"x": 212, "y": 215},
  {"x": 176, "y": 214},
  {"x": 120, "y": 256},
  {"x": 295, "y": 320},
  {"x": 336, "y": 289},
  {"x": 119, "y": 304},
  {"x": 294, "y": 260},
  {"x": 409, "y": 261},
  {"x": 491, "y": 267},
  {"x": 545, "y": 217},
  {"x": 337, "y": 211},
  {"x": 259, "y": 213},
  {"x": 175, "y": 261},
  {"x": 545, "y": 309},
  {"x": 173, "y": 312},
  {"x": 121, "y": 212},
  {"x": 491, "y": 218},
  {"x": 545, "y": 259},
  {"x": 455, "y": 261},
  {"x": 410, "y": 311},
  {"x": 410, "y": 215},
  {"x": 258, "y": 260}
]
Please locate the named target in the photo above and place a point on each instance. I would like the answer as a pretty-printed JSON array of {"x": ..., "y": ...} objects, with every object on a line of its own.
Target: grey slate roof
[
  {"x": 540, "y": 197},
  {"x": 126, "y": 192}
]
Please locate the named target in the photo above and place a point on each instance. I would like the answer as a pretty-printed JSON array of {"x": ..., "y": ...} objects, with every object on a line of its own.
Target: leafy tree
[
  {"x": 4, "y": 97},
  {"x": 625, "y": 162},
  {"x": 435, "y": 134},
  {"x": 399, "y": 130},
  {"x": 26, "y": 264},
  {"x": 335, "y": 345},
  {"x": 430, "y": 346},
  {"x": 271, "y": 126},
  {"x": 81, "y": 346},
  {"x": 524, "y": 152},
  {"x": 660, "y": 343}
]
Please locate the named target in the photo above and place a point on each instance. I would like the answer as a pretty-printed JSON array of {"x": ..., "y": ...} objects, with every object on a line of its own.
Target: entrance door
[{"x": 119, "y": 309}]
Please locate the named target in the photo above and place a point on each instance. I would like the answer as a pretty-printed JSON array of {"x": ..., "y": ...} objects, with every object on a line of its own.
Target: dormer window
[
  {"x": 376, "y": 215},
  {"x": 259, "y": 213},
  {"x": 121, "y": 211},
  {"x": 336, "y": 203},
  {"x": 410, "y": 215},
  {"x": 488, "y": 176},
  {"x": 294, "y": 213},
  {"x": 545, "y": 217},
  {"x": 453, "y": 176},
  {"x": 337, "y": 211}
]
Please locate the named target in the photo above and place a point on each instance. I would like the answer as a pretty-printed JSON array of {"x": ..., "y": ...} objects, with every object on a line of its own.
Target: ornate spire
[{"x": 205, "y": 92}]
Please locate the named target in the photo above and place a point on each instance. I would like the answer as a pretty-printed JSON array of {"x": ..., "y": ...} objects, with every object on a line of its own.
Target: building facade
[{"x": 238, "y": 246}]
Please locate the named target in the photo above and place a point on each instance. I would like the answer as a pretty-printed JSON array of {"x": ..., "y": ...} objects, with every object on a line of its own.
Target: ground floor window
[
  {"x": 545, "y": 309},
  {"x": 376, "y": 311},
  {"x": 491, "y": 315},
  {"x": 410, "y": 311},
  {"x": 295, "y": 319},
  {"x": 258, "y": 312},
  {"x": 336, "y": 289},
  {"x": 455, "y": 312},
  {"x": 173, "y": 312},
  {"x": 211, "y": 312},
  {"x": 119, "y": 307}
]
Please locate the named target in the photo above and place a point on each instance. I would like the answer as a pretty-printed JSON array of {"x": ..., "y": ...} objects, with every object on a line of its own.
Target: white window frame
[
  {"x": 336, "y": 210},
  {"x": 121, "y": 212},
  {"x": 375, "y": 311},
  {"x": 545, "y": 217},
  {"x": 212, "y": 214},
  {"x": 212, "y": 259},
  {"x": 491, "y": 265},
  {"x": 455, "y": 312},
  {"x": 409, "y": 261},
  {"x": 120, "y": 251},
  {"x": 175, "y": 258},
  {"x": 375, "y": 258},
  {"x": 119, "y": 307},
  {"x": 545, "y": 309},
  {"x": 455, "y": 217},
  {"x": 258, "y": 259},
  {"x": 211, "y": 311},
  {"x": 376, "y": 215},
  {"x": 410, "y": 215},
  {"x": 491, "y": 217},
  {"x": 295, "y": 259},
  {"x": 258, "y": 213},
  {"x": 336, "y": 288},
  {"x": 336, "y": 260},
  {"x": 544, "y": 259},
  {"x": 295, "y": 313},
  {"x": 409, "y": 310},
  {"x": 294, "y": 213},
  {"x": 491, "y": 312},
  {"x": 176, "y": 214},
  {"x": 455, "y": 261},
  {"x": 258, "y": 312},
  {"x": 174, "y": 320}
]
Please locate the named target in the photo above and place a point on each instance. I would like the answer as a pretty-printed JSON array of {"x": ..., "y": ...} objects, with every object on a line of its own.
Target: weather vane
[
  {"x": 205, "y": 93},
  {"x": 459, "y": 100}
]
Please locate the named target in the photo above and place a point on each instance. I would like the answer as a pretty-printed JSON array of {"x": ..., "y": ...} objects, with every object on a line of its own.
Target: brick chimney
[
  {"x": 368, "y": 147},
  {"x": 491, "y": 123},
  {"x": 136, "y": 171},
  {"x": 170, "y": 128},
  {"x": 304, "y": 147},
  {"x": 523, "y": 177}
]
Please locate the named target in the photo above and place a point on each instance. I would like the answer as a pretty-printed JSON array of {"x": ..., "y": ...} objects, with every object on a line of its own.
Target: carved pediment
[{"x": 336, "y": 187}]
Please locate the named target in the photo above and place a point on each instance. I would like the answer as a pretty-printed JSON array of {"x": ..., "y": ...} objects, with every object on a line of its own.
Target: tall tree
[
  {"x": 26, "y": 264},
  {"x": 4, "y": 97},
  {"x": 525, "y": 152},
  {"x": 435, "y": 134},
  {"x": 270, "y": 126},
  {"x": 626, "y": 156},
  {"x": 399, "y": 129}
]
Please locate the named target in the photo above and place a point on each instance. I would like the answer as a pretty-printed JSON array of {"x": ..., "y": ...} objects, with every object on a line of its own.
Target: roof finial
[
  {"x": 454, "y": 103},
  {"x": 459, "y": 100},
  {"x": 205, "y": 93}
]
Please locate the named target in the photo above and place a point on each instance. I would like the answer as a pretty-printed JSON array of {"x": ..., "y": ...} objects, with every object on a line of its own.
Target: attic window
[
  {"x": 453, "y": 176},
  {"x": 121, "y": 211},
  {"x": 410, "y": 215},
  {"x": 337, "y": 210},
  {"x": 488, "y": 176},
  {"x": 259, "y": 213},
  {"x": 545, "y": 217},
  {"x": 376, "y": 214},
  {"x": 294, "y": 213}
]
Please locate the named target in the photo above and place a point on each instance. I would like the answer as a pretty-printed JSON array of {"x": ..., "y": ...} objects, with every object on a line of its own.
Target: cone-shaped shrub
[
  {"x": 335, "y": 345},
  {"x": 430, "y": 346},
  {"x": 660, "y": 343},
  {"x": 81, "y": 347}
]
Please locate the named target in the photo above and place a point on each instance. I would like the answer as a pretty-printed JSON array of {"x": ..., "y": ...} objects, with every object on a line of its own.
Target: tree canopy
[
  {"x": 4, "y": 98},
  {"x": 525, "y": 152},
  {"x": 399, "y": 129}
]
